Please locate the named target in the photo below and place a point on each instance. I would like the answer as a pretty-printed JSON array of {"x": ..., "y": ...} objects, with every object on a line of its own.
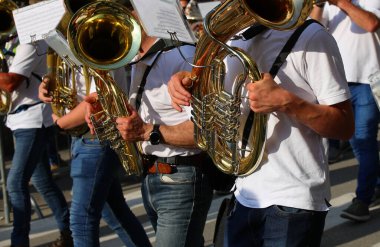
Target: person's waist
[
  {"x": 85, "y": 135},
  {"x": 24, "y": 107},
  {"x": 355, "y": 83},
  {"x": 155, "y": 164}
]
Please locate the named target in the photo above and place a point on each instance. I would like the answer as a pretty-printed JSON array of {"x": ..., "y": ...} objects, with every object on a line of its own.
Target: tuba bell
[
  {"x": 7, "y": 28},
  {"x": 216, "y": 112},
  {"x": 96, "y": 26}
]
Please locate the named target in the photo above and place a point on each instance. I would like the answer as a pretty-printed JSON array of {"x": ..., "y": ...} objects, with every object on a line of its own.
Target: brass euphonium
[
  {"x": 7, "y": 28},
  {"x": 61, "y": 87},
  {"x": 216, "y": 112},
  {"x": 104, "y": 35}
]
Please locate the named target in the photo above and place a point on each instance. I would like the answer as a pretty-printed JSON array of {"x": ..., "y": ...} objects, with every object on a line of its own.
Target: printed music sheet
[
  {"x": 160, "y": 18},
  {"x": 34, "y": 22}
]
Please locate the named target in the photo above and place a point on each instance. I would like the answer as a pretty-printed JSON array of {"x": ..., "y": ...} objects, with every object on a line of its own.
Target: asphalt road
[{"x": 338, "y": 231}]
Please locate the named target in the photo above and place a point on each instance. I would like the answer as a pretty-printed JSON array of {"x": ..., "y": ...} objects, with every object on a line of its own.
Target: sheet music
[
  {"x": 59, "y": 44},
  {"x": 33, "y": 22},
  {"x": 159, "y": 18}
]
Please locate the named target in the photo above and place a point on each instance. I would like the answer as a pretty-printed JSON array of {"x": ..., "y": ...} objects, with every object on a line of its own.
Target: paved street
[{"x": 338, "y": 232}]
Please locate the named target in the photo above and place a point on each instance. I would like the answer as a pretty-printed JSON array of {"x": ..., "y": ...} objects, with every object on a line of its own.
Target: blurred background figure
[
  {"x": 28, "y": 119},
  {"x": 354, "y": 25}
]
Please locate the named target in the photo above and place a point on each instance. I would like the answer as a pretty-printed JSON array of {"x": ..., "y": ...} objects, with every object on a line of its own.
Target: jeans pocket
[
  {"x": 184, "y": 175},
  {"x": 285, "y": 211}
]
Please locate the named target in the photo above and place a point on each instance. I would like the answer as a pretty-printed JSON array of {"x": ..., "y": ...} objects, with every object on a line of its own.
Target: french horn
[
  {"x": 104, "y": 35},
  {"x": 216, "y": 112}
]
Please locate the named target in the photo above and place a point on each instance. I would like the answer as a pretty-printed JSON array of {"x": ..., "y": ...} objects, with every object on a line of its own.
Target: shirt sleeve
[
  {"x": 27, "y": 57},
  {"x": 324, "y": 69}
]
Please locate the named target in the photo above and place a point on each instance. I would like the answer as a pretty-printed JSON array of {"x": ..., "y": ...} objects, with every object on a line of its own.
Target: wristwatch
[{"x": 155, "y": 135}]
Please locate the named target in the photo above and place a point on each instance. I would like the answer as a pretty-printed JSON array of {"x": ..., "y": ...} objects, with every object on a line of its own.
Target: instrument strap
[
  {"x": 275, "y": 68},
  {"x": 253, "y": 31},
  {"x": 160, "y": 46},
  {"x": 37, "y": 76}
]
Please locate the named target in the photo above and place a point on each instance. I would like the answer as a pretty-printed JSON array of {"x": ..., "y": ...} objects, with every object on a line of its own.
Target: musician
[
  {"x": 175, "y": 190},
  {"x": 285, "y": 201},
  {"x": 28, "y": 120},
  {"x": 355, "y": 24},
  {"x": 95, "y": 170}
]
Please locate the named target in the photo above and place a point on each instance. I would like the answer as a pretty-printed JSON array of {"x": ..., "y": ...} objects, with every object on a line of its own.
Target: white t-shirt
[
  {"x": 360, "y": 49},
  {"x": 29, "y": 58},
  {"x": 294, "y": 171},
  {"x": 156, "y": 105},
  {"x": 119, "y": 76}
]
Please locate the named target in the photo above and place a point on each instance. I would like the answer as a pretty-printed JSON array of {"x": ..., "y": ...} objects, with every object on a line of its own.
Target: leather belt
[
  {"x": 88, "y": 135},
  {"x": 167, "y": 165}
]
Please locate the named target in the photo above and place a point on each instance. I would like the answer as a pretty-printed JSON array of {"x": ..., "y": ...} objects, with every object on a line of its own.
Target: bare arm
[
  {"x": 74, "y": 118},
  {"x": 132, "y": 128},
  {"x": 10, "y": 81},
  {"x": 364, "y": 19},
  {"x": 330, "y": 121},
  {"x": 316, "y": 13}
]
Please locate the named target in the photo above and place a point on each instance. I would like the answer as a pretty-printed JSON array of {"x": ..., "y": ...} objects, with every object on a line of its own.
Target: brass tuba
[
  {"x": 63, "y": 92},
  {"x": 216, "y": 112},
  {"x": 104, "y": 35},
  {"x": 7, "y": 28}
]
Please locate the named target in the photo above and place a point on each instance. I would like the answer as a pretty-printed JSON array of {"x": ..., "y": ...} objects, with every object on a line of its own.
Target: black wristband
[
  {"x": 56, "y": 124},
  {"x": 320, "y": 5}
]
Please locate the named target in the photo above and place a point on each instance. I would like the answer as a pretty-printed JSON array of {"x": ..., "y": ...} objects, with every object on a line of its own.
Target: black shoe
[
  {"x": 375, "y": 198},
  {"x": 357, "y": 211},
  {"x": 64, "y": 240},
  {"x": 335, "y": 155}
]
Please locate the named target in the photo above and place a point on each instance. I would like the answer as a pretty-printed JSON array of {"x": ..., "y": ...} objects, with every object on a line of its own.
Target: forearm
[
  {"x": 10, "y": 81},
  {"x": 74, "y": 118},
  {"x": 335, "y": 121},
  {"x": 364, "y": 19},
  {"x": 316, "y": 13},
  {"x": 179, "y": 135}
]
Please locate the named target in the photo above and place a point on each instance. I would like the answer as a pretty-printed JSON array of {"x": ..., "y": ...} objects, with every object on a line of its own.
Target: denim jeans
[
  {"x": 177, "y": 205},
  {"x": 114, "y": 224},
  {"x": 94, "y": 170},
  {"x": 30, "y": 161},
  {"x": 364, "y": 142},
  {"x": 275, "y": 226}
]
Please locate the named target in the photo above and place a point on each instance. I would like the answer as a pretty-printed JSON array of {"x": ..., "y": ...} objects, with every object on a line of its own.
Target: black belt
[{"x": 193, "y": 160}]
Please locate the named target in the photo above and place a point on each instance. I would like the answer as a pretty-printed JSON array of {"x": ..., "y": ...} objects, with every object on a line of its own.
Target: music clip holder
[{"x": 177, "y": 43}]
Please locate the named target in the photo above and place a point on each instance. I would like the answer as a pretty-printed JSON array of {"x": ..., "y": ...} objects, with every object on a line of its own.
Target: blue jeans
[
  {"x": 94, "y": 170},
  {"x": 275, "y": 226},
  {"x": 177, "y": 205},
  {"x": 30, "y": 161},
  {"x": 364, "y": 142},
  {"x": 114, "y": 224}
]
